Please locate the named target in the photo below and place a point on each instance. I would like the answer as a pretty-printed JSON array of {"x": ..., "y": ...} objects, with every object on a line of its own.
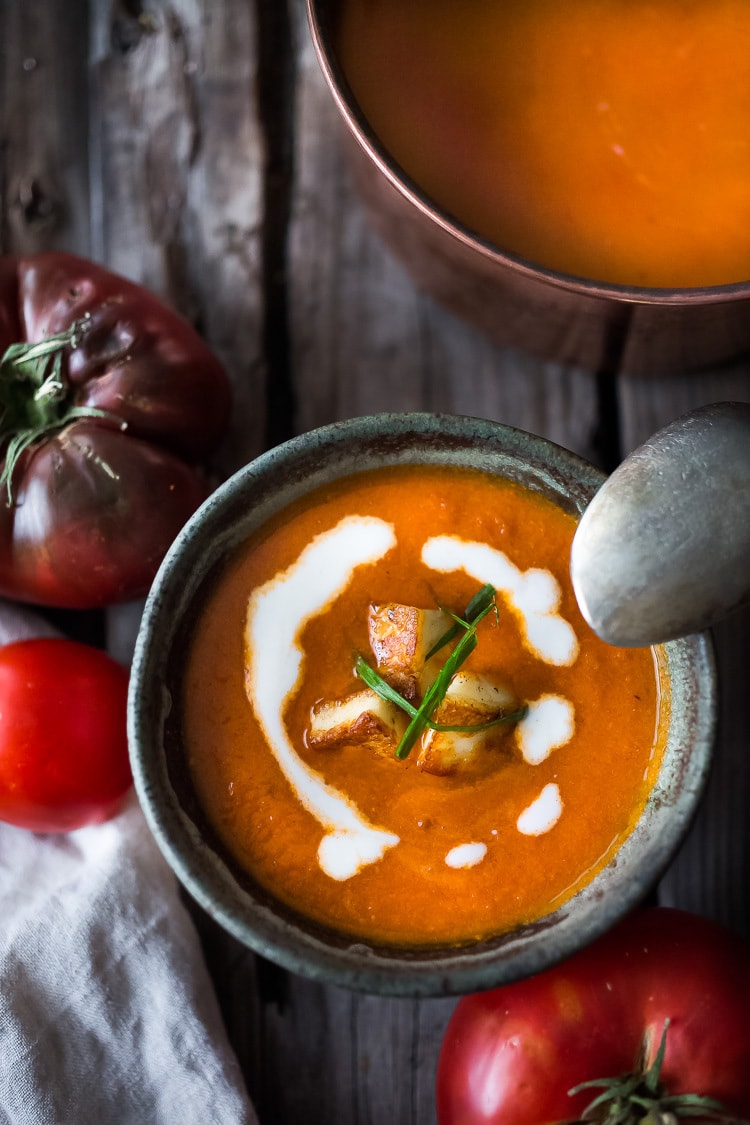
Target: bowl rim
[
  {"x": 270, "y": 930},
  {"x": 319, "y": 23}
]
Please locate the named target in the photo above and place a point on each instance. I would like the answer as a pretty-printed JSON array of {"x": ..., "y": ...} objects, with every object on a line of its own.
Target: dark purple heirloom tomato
[{"x": 110, "y": 403}]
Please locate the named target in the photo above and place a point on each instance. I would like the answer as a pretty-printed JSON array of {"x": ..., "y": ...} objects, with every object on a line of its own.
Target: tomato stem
[
  {"x": 35, "y": 395},
  {"x": 640, "y": 1099}
]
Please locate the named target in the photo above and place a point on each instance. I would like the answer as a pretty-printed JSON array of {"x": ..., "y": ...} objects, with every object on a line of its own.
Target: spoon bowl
[{"x": 663, "y": 550}]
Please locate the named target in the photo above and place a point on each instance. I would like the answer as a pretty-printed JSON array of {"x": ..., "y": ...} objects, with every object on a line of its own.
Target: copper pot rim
[{"x": 363, "y": 134}]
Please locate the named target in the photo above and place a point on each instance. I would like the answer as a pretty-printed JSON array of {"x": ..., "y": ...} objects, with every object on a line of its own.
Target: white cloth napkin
[{"x": 107, "y": 1013}]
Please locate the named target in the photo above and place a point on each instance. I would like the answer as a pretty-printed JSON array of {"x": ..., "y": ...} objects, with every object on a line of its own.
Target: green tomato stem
[{"x": 35, "y": 396}]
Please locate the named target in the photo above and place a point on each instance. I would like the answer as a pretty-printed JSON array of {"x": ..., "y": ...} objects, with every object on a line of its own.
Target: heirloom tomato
[
  {"x": 109, "y": 404},
  {"x": 63, "y": 735},
  {"x": 659, "y": 1006}
]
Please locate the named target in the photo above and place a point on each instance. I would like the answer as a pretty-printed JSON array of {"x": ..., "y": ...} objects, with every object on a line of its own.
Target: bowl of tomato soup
[
  {"x": 573, "y": 178},
  {"x": 371, "y": 730}
]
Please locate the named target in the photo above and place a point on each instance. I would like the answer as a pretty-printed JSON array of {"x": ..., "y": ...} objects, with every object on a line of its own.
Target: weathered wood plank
[
  {"x": 177, "y": 157},
  {"x": 43, "y": 127},
  {"x": 377, "y": 1044},
  {"x": 646, "y": 406},
  {"x": 710, "y": 873}
]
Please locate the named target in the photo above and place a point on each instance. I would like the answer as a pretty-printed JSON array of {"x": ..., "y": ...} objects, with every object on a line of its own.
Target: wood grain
[
  {"x": 44, "y": 127},
  {"x": 177, "y": 159},
  {"x": 710, "y": 873}
]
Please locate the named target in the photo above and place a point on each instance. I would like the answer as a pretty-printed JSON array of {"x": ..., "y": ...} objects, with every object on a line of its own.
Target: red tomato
[
  {"x": 63, "y": 737},
  {"x": 511, "y": 1055},
  {"x": 95, "y": 506}
]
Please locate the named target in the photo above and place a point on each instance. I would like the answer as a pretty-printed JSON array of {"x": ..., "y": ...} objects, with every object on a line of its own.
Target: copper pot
[{"x": 641, "y": 331}]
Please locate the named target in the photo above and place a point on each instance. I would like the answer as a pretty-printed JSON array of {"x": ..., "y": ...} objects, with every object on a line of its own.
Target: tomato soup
[
  {"x": 414, "y": 851},
  {"x": 603, "y": 138}
]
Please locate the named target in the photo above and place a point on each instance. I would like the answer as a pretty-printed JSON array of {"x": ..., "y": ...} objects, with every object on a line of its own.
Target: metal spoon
[{"x": 664, "y": 547}]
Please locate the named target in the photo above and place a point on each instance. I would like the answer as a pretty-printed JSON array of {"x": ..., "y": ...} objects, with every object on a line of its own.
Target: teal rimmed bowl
[{"x": 250, "y": 913}]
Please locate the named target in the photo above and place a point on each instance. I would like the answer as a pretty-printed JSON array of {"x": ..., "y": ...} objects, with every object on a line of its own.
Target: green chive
[
  {"x": 436, "y": 692},
  {"x": 478, "y": 608},
  {"x": 477, "y": 728},
  {"x": 482, "y": 600},
  {"x": 382, "y": 688}
]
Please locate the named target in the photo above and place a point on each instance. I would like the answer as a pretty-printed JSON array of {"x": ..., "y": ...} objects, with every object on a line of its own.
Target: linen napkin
[{"x": 107, "y": 1013}]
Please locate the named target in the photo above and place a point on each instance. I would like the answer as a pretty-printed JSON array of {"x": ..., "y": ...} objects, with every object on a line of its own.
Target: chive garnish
[
  {"x": 382, "y": 688},
  {"x": 477, "y": 728},
  {"x": 482, "y": 600},
  {"x": 420, "y": 718},
  {"x": 437, "y": 689}
]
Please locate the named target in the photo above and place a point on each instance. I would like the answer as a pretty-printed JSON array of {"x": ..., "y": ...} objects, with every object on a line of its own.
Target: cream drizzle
[
  {"x": 534, "y": 594},
  {"x": 548, "y": 724},
  {"x": 543, "y": 813},
  {"x": 279, "y": 610},
  {"x": 277, "y": 613},
  {"x": 466, "y": 855}
]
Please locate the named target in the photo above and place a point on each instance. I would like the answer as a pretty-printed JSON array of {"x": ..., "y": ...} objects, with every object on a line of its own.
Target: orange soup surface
[
  {"x": 347, "y": 834},
  {"x": 602, "y": 138}
]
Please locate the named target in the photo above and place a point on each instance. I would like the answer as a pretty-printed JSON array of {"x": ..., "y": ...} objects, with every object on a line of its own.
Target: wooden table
[{"x": 192, "y": 145}]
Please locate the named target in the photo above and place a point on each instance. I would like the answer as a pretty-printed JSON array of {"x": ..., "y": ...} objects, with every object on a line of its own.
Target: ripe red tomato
[
  {"x": 63, "y": 737},
  {"x": 510, "y": 1056}
]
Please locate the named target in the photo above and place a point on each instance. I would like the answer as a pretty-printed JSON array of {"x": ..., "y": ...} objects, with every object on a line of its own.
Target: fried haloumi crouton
[
  {"x": 401, "y": 636},
  {"x": 361, "y": 718},
  {"x": 469, "y": 701}
]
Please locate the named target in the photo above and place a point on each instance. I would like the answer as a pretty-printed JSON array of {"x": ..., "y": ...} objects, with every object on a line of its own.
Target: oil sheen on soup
[
  {"x": 293, "y": 757},
  {"x": 602, "y": 138}
]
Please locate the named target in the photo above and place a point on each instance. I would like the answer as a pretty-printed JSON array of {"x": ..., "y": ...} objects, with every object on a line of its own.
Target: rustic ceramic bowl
[
  {"x": 575, "y": 320},
  {"x": 251, "y": 914}
]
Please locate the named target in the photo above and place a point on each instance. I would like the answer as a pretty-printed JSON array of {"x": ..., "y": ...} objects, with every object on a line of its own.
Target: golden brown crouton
[
  {"x": 360, "y": 719},
  {"x": 400, "y": 638},
  {"x": 469, "y": 701}
]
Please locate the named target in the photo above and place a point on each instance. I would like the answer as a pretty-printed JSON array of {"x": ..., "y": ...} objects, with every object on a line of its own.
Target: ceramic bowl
[
  {"x": 603, "y": 327},
  {"x": 251, "y": 914}
]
